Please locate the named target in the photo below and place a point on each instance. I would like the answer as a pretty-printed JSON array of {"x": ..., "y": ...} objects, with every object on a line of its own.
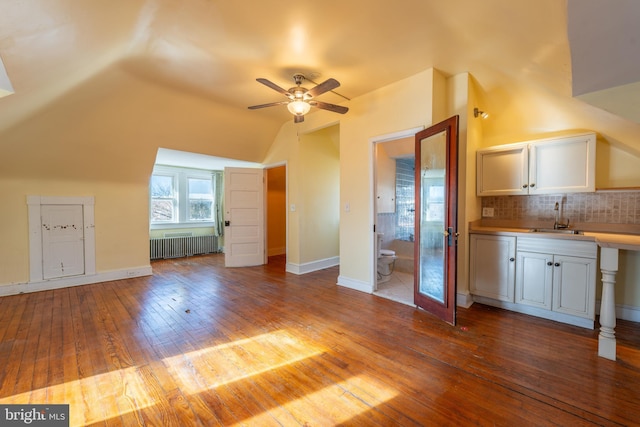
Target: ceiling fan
[{"x": 301, "y": 99}]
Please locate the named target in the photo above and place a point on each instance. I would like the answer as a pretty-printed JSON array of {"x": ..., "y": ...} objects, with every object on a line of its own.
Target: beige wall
[
  {"x": 121, "y": 219},
  {"x": 407, "y": 104},
  {"x": 319, "y": 199},
  {"x": 118, "y": 180},
  {"x": 311, "y": 150}
]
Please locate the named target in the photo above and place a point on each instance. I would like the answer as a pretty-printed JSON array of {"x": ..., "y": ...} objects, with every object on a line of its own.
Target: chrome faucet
[{"x": 556, "y": 224}]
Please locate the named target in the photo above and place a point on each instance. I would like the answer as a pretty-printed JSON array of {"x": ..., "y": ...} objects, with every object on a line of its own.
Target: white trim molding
[
  {"x": 308, "y": 267},
  {"x": 464, "y": 299},
  {"x": 355, "y": 284},
  {"x": 624, "y": 312},
  {"x": 35, "y": 204},
  {"x": 65, "y": 282}
]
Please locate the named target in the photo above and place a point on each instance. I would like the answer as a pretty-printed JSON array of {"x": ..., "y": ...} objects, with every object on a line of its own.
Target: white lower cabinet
[
  {"x": 554, "y": 278},
  {"x": 574, "y": 286},
  {"x": 534, "y": 279},
  {"x": 492, "y": 271}
]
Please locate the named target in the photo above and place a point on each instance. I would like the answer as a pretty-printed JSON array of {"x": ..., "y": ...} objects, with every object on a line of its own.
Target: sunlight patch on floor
[
  {"x": 334, "y": 404},
  {"x": 94, "y": 398},
  {"x": 212, "y": 367},
  {"x": 125, "y": 392}
]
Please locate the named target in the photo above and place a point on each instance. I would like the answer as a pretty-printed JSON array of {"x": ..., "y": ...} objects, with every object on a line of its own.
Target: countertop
[{"x": 603, "y": 238}]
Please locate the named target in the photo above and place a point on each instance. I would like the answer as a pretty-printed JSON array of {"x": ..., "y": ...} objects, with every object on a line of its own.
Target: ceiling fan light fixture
[{"x": 298, "y": 107}]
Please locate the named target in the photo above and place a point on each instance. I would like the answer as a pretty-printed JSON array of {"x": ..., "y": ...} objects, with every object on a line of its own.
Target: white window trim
[
  {"x": 36, "y": 273},
  {"x": 181, "y": 179}
]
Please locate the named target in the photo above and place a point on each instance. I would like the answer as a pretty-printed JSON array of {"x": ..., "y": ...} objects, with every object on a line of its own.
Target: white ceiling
[{"x": 79, "y": 54}]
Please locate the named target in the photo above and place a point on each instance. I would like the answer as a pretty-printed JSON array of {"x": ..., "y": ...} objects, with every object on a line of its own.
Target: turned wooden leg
[{"x": 607, "y": 338}]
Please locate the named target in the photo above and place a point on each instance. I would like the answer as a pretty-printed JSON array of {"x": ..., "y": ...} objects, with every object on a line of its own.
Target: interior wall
[
  {"x": 319, "y": 203},
  {"x": 276, "y": 210},
  {"x": 400, "y": 106},
  {"x": 121, "y": 211}
]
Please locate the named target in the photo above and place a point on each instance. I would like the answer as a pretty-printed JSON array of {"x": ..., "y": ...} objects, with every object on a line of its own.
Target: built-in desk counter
[{"x": 610, "y": 243}]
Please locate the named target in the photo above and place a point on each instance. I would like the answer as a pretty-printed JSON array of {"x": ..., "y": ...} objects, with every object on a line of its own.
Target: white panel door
[
  {"x": 62, "y": 241},
  {"x": 244, "y": 217}
]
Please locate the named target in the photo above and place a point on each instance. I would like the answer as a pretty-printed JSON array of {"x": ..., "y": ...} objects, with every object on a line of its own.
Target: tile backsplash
[{"x": 612, "y": 207}]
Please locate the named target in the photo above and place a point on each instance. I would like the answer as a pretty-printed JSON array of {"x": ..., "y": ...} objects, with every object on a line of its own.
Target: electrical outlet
[{"x": 487, "y": 212}]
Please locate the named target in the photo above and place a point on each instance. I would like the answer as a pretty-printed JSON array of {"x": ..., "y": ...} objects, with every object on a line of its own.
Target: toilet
[{"x": 386, "y": 259}]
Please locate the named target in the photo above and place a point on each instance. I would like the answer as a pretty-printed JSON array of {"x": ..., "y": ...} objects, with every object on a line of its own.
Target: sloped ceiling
[
  {"x": 118, "y": 79},
  {"x": 605, "y": 54}
]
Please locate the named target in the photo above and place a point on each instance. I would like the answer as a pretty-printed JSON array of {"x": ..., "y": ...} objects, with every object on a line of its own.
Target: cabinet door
[
  {"x": 534, "y": 279},
  {"x": 562, "y": 165},
  {"x": 574, "y": 286},
  {"x": 492, "y": 269},
  {"x": 502, "y": 170}
]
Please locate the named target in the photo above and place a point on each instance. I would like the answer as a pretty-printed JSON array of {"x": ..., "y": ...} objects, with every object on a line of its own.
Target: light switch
[
  {"x": 347, "y": 207},
  {"x": 293, "y": 207},
  {"x": 487, "y": 212}
]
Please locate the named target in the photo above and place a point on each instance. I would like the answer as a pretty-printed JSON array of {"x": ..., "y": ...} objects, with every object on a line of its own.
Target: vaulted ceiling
[{"x": 99, "y": 66}]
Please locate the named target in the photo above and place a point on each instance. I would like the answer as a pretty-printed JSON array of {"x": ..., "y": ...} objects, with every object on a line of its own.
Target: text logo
[{"x": 55, "y": 415}]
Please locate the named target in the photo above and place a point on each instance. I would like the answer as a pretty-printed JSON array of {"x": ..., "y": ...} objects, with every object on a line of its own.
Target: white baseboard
[
  {"x": 65, "y": 282},
  {"x": 308, "y": 267},
  {"x": 624, "y": 312},
  {"x": 538, "y": 312},
  {"x": 464, "y": 299},
  {"x": 357, "y": 285}
]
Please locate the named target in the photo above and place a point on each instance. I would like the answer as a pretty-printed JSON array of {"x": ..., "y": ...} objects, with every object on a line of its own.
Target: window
[
  {"x": 200, "y": 199},
  {"x": 163, "y": 198},
  {"x": 181, "y": 196}
]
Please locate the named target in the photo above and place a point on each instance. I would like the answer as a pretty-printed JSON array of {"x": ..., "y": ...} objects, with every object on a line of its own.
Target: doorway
[
  {"x": 276, "y": 201},
  {"x": 394, "y": 215}
]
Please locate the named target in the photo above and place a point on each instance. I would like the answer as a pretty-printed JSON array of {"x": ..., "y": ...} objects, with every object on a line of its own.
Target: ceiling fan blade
[
  {"x": 331, "y": 107},
  {"x": 274, "y": 87},
  {"x": 298, "y": 119},
  {"x": 271, "y": 104},
  {"x": 324, "y": 87}
]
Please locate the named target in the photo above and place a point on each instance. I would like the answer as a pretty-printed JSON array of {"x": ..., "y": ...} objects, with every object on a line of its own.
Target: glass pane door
[
  {"x": 436, "y": 219},
  {"x": 432, "y": 215}
]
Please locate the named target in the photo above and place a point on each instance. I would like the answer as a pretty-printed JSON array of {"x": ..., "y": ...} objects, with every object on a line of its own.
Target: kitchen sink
[{"x": 556, "y": 231}]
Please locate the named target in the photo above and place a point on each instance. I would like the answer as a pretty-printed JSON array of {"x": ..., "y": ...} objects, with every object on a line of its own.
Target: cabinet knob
[
  {"x": 557, "y": 264},
  {"x": 512, "y": 259},
  {"x": 532, "y": 185},
  {"x": 524, "y": 186},
  {"x": 549, "y": 263}
]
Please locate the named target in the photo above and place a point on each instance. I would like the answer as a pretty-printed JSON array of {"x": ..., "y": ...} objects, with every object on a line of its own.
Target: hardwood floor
[{"x": 198, "y": 344}]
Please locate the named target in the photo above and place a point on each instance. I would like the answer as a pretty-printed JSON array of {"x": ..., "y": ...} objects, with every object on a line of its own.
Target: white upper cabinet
[
  {"x": 503, "y": 170},
  {"x": 545, "y": 166}
]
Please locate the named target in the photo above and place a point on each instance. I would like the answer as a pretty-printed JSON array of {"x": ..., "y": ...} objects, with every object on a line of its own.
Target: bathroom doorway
[{"x": 394, "y": 216}]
